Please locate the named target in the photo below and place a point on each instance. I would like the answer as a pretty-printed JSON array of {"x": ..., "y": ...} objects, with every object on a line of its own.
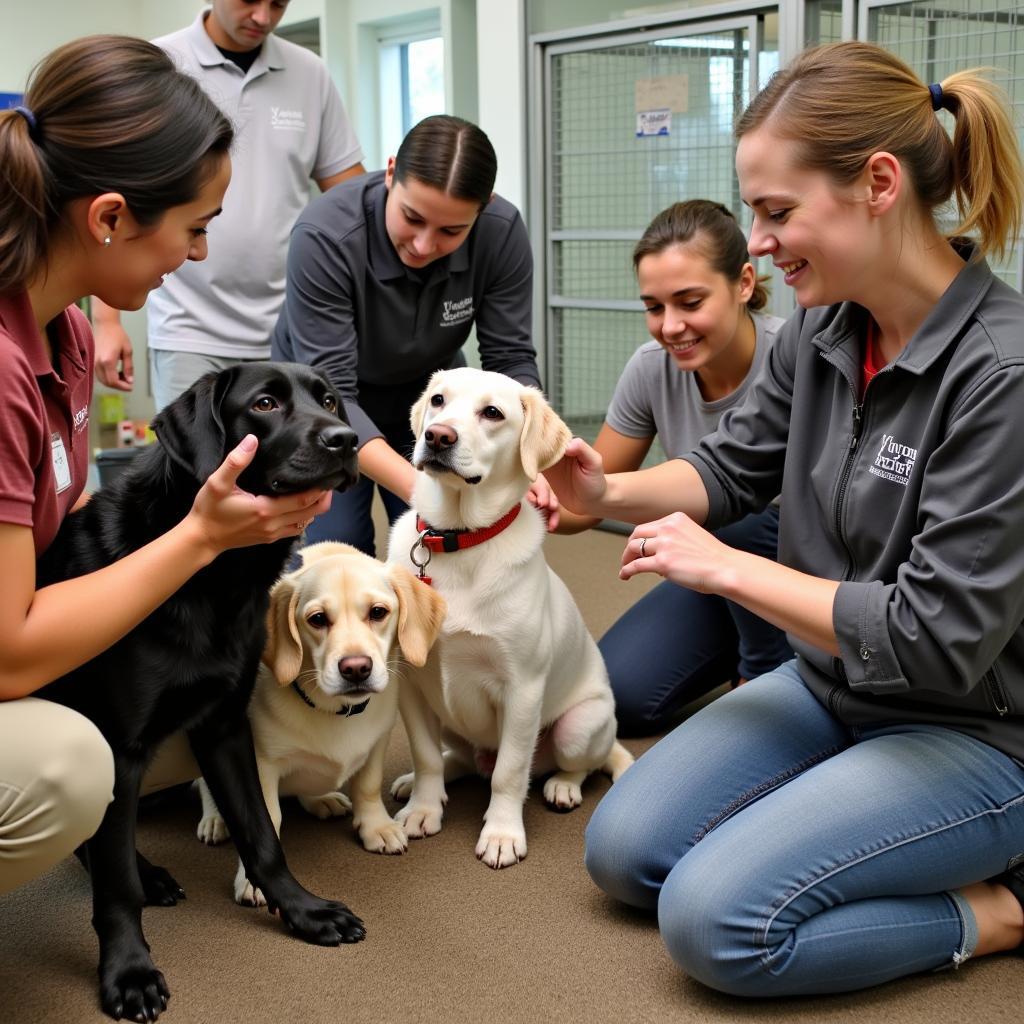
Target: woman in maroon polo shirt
[{"x": 109, "y": 174}]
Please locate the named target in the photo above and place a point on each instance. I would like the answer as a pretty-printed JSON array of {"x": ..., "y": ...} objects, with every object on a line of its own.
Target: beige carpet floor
[{"x": 448, "y": 939}]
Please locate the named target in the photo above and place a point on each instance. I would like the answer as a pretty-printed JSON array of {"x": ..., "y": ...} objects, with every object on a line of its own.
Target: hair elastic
[
  {"x": 938, "y": 100},
  {"x": 30, "y": 120}
]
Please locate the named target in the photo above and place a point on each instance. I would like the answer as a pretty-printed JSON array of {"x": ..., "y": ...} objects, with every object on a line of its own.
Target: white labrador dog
[
  {"x": 326, "y": 697},
  {"x": 515, "y": 684}
]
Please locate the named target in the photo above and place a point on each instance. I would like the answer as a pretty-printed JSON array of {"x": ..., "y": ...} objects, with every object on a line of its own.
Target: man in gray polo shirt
[{"x": 290, "y": 126}]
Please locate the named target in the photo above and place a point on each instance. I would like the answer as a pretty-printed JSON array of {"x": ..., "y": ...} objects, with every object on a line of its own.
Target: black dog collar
[{"x": 347, "y": 711}]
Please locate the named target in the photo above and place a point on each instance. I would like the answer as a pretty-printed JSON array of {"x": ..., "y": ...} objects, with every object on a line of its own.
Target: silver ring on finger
[{"x": 643, "y": 543}]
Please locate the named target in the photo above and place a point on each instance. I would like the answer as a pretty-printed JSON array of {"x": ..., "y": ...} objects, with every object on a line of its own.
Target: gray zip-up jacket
[{"x": 912, "y": 497}]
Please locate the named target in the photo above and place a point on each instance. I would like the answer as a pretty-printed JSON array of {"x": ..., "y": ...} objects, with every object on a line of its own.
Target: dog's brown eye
[
  {"x": 318, "y": 620},
  {"x": 437, "y": 401},
  {"x": 492, "y": 412},
  {"x": 264, "y": 404},
  {"x": 378, "y": 613},
  {"x": 330, "y": 403}
]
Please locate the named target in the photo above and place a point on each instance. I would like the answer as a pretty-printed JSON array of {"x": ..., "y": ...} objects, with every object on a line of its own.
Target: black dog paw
[
  {"x": 323, "y": 922},
  {"x": 137, "y": 993},
  {"x": 159, "y": 885}
]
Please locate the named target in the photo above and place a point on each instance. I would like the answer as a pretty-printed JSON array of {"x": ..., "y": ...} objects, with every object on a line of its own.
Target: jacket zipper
[
  {"x": 995, "y": 692},
  {"x": 844, "y": 478}
]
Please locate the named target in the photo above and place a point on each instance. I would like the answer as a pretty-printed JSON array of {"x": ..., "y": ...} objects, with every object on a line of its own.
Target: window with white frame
[{"x": 411, "y": 82}]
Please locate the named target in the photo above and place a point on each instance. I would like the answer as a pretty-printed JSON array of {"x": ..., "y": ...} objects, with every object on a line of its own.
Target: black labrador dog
[{"x": 192, "y": 664}]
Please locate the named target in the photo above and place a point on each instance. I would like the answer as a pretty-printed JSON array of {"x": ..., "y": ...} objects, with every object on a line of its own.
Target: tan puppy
[
  {"x": 515, "y": 683},
  {"x": 326, "y": 696}
]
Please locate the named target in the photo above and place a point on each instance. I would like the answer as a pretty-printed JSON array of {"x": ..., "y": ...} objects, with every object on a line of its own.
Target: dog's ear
[
  {"x": 191, "y": 429},
  {"x": 419, "y": 409},
  {"x": 544, "y": 437},
  {"x": 421, "y": 612},
  {"x": 283, "y": 651}
]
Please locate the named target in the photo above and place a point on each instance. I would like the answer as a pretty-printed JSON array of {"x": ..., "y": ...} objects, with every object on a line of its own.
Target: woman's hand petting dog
[
  {"x": 578, "y": 477},
  {"x": 225, "y": 516}
]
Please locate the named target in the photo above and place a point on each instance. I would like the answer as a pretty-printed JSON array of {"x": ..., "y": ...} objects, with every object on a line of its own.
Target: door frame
[{"x": 542, "y": 47}]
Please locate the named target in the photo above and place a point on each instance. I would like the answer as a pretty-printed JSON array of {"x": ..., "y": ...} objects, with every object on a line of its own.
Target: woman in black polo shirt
[{"x": 387, "y": 276}]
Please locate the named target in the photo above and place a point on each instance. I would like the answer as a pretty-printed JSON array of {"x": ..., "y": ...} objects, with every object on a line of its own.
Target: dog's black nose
[
  {"x": 338, "y": 439},
  {"x": 355, "y": 669},
  {"x": 440, "y": 436}
]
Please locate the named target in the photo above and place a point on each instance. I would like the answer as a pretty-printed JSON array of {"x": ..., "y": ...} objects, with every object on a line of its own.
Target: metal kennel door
[
  {"x": 605, "y": 178},
  {"x": 938, "y": 37}
]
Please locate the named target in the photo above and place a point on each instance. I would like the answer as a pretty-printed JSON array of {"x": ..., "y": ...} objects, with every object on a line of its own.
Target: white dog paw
[
  {"x": 212, "y": 830},
  {"x": 500, "y": 846},
  {"x": 402, "y": 786},
  {"x": 562, "y": 794},
  {"x": 247, "y": 895},
  {"x": 386, "y": 837},
  {"x": 420, "y": 820},
  {"x": 329, "y": 805}
]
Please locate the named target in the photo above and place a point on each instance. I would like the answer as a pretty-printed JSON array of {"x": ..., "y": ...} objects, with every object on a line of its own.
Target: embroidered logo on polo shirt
[
  {"x": 81, "y": 419},
  {"x": 456, "y": 311},
  {"x": 894, "y": 461},
  {"x": 287, "y": 120}
]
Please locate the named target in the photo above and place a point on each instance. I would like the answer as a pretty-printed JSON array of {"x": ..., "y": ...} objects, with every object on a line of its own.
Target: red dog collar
[{"x": 457, "y": 540}]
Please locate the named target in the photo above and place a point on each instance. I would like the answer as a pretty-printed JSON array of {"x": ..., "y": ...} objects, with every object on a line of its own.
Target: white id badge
[{"x": 61, "y": 467}]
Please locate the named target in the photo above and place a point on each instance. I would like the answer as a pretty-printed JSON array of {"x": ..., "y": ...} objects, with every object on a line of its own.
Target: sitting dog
[
  {"x": 515, "y": 681},
  {"x": 326, "y": 695},
  {"x": 192, "y": 663}
]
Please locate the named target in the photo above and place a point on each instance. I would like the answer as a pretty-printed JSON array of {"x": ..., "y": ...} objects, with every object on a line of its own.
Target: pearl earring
[{"x": 106, "y": 241}]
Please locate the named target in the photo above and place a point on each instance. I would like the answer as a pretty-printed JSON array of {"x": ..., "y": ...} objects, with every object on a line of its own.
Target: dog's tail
[{"x": 619, "y": 759}]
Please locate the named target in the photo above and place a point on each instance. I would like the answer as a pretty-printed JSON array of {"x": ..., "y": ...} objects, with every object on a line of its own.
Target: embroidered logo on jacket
[
  {"x": 894, "y": 461},
  {"x": 81, "y": 419},
  {"x": 457, "y": 311},
  {"x": 287, "y": 120}
]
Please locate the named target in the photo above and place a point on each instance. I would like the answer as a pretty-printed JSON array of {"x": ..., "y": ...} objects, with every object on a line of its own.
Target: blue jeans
[
  {"x": 349, "y": 519},
  {"x": 674, "y": 645},
  {"x": 789, "y": 854}
]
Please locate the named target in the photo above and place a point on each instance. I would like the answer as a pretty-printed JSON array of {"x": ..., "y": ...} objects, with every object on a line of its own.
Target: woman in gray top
[
  {"x": 857, "y": 815},
  {"x": 702, "y": 301}
]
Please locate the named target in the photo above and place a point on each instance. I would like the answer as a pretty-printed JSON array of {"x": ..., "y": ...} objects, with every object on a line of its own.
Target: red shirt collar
[{"x": 19, "y": 320}]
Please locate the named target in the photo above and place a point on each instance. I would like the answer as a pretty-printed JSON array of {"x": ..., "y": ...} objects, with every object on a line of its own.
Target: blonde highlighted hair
[{"x": 842, "y": 102}]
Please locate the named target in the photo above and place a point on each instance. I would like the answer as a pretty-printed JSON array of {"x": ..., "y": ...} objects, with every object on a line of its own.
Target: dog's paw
[
  {"x": 212, "y": 829},
  {"x": 401, "y": 788},
  {"x": 562, "y": 794},
  {"x": 501, "y": 846},
  {"x": 329, "y": 805},
  {"x": 420, "y": 820},
  {"x": 384, "y": 837},
  {"x": 134, "y": 991},
  {"x": 322, "y": 922},
  {"x": 248, "y": 895},
  {"x": 158, "y": 885}
]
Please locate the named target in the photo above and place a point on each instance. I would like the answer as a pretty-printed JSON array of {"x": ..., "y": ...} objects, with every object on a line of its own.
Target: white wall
[
  {"x": 30, "y": 32},
  {"x": 501, "y": 91}
]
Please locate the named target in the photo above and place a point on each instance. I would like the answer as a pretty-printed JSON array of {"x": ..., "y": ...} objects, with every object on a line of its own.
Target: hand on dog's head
[{"x": 297, "y": 417}]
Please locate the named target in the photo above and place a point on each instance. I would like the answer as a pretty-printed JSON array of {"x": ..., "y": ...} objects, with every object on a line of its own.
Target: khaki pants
[{"x": 56, "y": 780}]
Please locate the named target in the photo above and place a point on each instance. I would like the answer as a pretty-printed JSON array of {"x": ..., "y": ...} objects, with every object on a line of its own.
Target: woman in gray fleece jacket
[{"x": 858, "y": 814}]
